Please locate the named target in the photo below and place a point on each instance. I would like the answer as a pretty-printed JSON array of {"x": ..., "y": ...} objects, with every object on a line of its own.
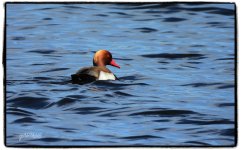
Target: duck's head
[{"x": 103, "y": 58}]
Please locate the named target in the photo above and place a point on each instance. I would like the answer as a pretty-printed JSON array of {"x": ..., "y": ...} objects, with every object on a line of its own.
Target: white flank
[{"x": 106, "y": 76}]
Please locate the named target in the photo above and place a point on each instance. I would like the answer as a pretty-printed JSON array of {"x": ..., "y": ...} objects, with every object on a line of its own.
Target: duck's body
[{"x": 98, "y": 71}]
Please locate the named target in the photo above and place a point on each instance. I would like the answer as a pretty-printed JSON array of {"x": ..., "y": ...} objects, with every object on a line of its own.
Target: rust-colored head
[{"x": 103, "y": 58}]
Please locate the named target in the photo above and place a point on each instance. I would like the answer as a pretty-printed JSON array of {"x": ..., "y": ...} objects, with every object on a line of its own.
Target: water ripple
[
  {"x": 140, "y": 137},
  {"x": 27, "y": 120},
  {"x": 167, "y": 113},
  {"x": 174, "y": 19},
  {"x": 205, "y": 122},
  {"x": 29, "y": 102},
  {"x": 19, "y": 112},
  {"x": 175, "y": 56},
  {"x": 43, "y": 51},
  {"x": 146, "y": 30}
]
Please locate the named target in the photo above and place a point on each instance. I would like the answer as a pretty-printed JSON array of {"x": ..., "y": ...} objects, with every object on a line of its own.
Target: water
[{"x": 176, "y": 84}]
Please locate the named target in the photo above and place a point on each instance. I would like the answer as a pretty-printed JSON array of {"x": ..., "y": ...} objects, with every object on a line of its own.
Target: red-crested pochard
[{"x": 98, "y": 71}]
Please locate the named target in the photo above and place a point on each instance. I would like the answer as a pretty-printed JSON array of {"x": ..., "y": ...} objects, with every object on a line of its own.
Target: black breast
[
  {"x": 82, "y": 78},
  {"x": 85, "y": 75}
]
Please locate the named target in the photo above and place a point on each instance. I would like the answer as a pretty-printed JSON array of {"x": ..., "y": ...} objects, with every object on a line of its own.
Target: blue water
[{"x": 176, "y": 84}]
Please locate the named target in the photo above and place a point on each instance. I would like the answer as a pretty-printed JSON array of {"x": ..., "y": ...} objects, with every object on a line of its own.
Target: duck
[{"x": 98, "y": 71}]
